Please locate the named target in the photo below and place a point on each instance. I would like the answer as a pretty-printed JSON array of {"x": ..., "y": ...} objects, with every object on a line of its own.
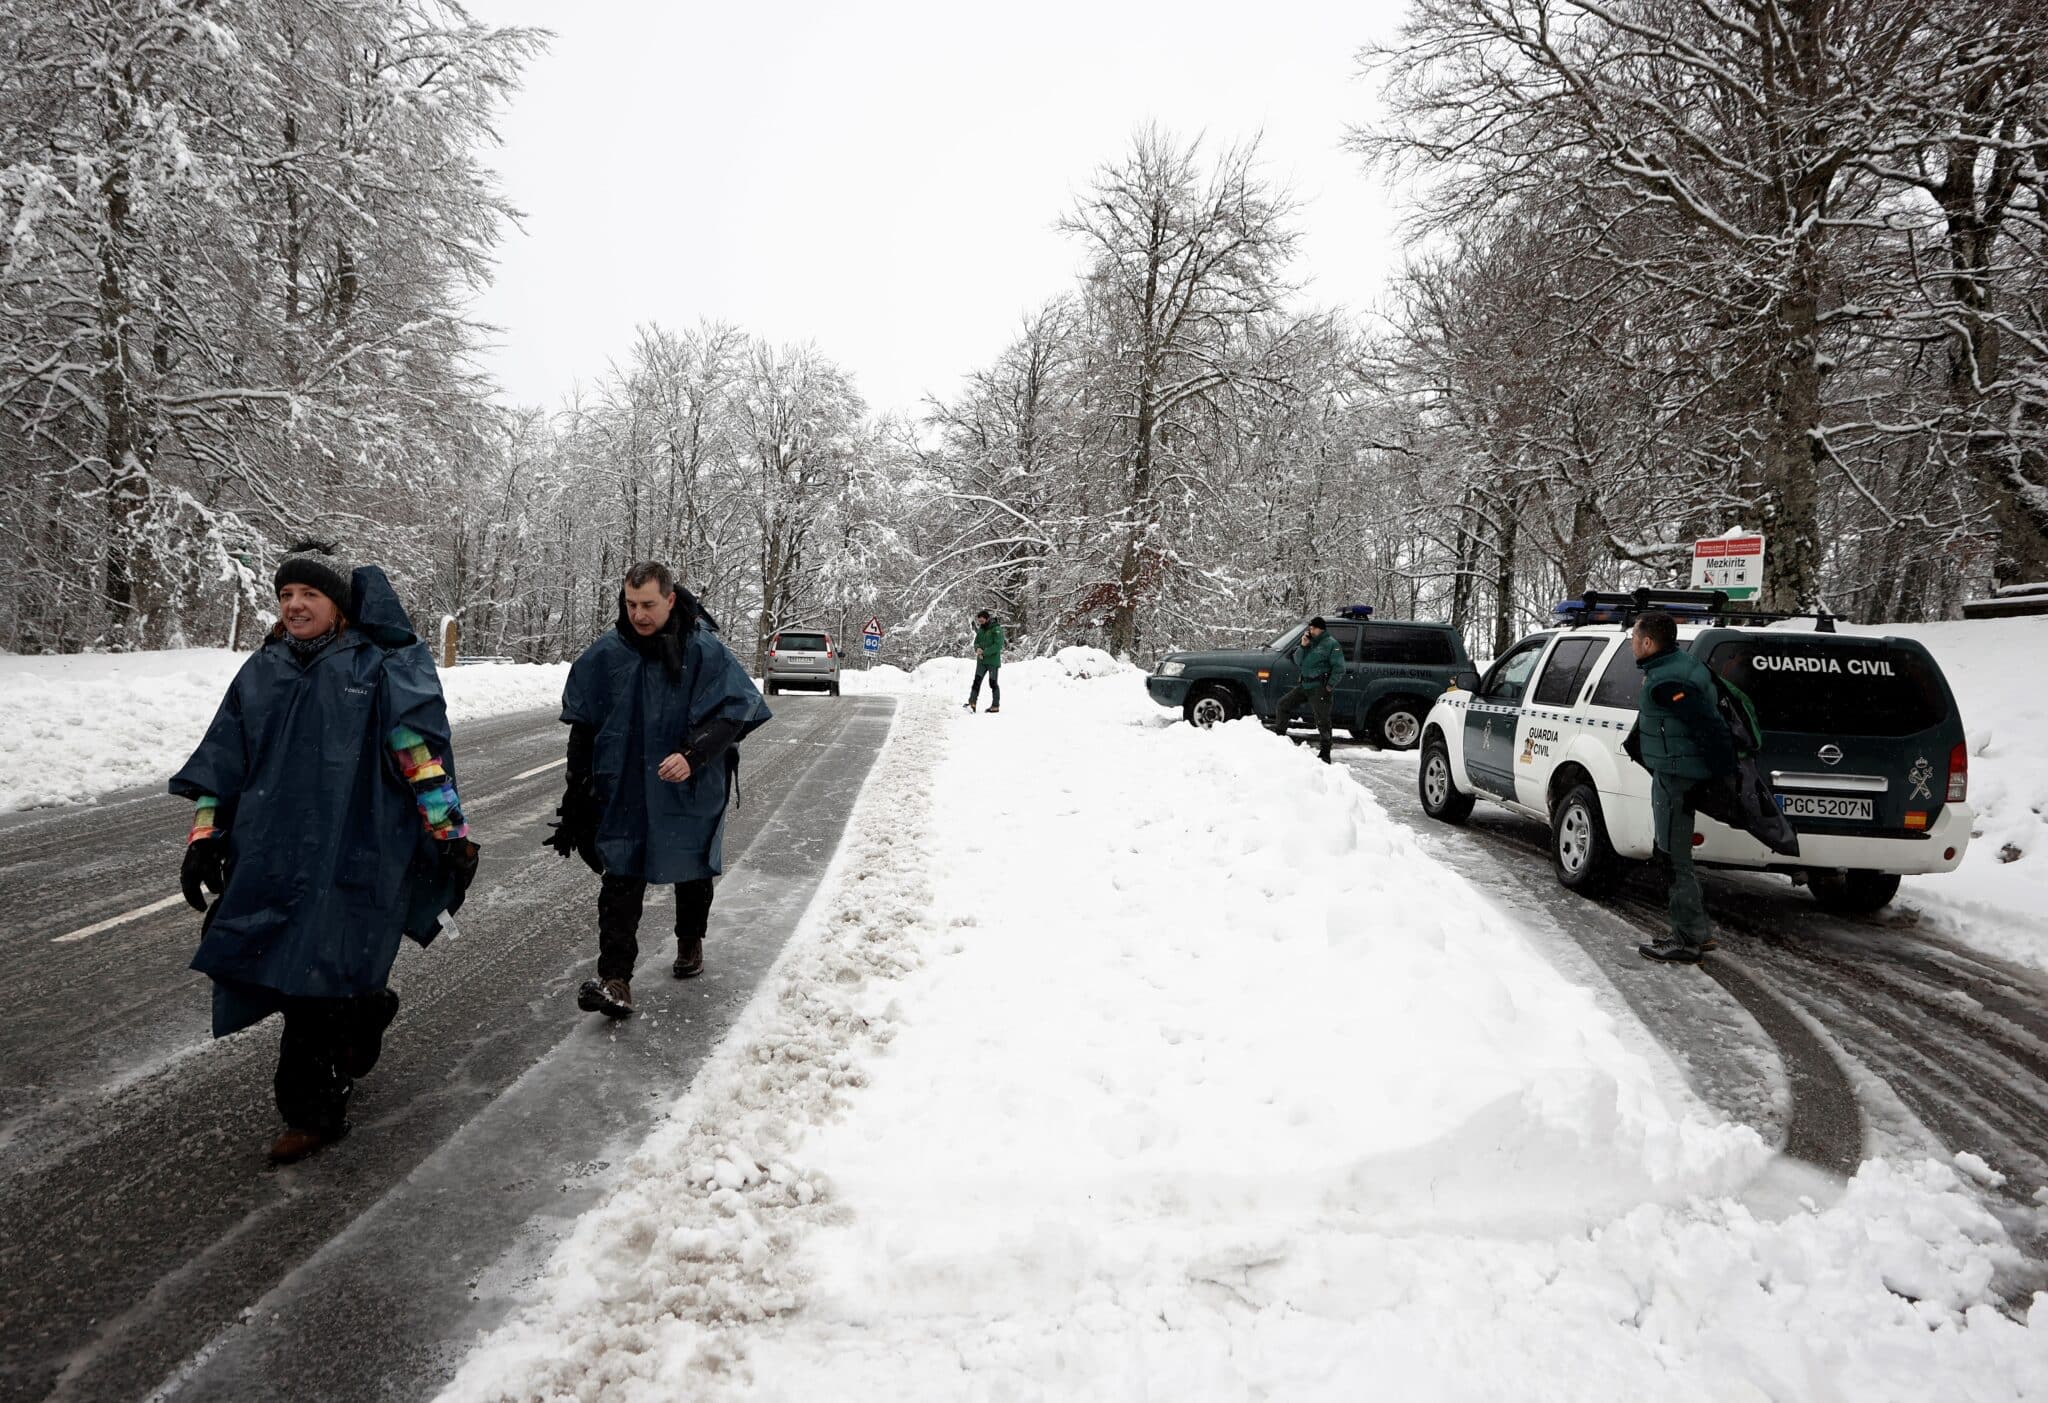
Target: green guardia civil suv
[{"x": 1392, "y": 672}]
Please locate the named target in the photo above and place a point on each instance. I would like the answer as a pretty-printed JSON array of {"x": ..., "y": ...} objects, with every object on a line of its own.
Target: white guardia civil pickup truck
[{"x": 1862, "y": 745}]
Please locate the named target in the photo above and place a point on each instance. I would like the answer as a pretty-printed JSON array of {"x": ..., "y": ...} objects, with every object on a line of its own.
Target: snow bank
[
  {"x": 1995, "y": 900},
  {"x": 953, "y": 676},
  {"x": 77, "y": 725},
  {"x": 1127, "y": 1061}
]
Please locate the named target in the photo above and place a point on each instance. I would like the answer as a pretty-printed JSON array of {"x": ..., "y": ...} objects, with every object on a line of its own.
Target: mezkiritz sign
[{"x": 1733, "y": 564}]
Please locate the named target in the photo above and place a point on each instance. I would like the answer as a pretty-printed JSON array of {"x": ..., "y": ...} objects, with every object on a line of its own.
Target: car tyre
[
  {"x": 833, "y": 689},
  {"x": 1579, "y": 850},
  {"x": 1438, "y": 786},
  {"x": 1207, "y": 706},
  {"x": 1397, "y": 725},
  {"x": 771, "y": 689},
  {"x": 1856, "y": 892}
]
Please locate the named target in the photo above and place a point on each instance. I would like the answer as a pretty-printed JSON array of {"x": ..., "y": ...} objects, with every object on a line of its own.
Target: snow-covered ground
[
  {"x": 1998, "y": 670},
  {"x": 1119, "y": 1060},
  {"x": 77, "y": 725}
]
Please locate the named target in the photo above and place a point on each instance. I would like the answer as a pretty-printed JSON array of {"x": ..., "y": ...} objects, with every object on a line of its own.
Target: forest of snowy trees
[{"x": 1677, "y": 266}]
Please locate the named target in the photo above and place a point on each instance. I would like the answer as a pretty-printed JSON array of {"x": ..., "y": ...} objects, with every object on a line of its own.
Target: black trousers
[
  {"x": 327, "y": 1044},
  {"x": 1318, "y": 699},
  {"x": 619, "y": 900}
]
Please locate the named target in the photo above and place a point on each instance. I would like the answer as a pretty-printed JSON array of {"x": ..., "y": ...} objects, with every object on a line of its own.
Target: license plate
[{"x": 1824, "y": 806}]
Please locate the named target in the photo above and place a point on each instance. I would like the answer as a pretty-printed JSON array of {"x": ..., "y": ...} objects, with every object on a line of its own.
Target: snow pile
[
  {"x": 951, "y": 677},
  {"x": 1995, "y": 900},
  {"x": 76, "y": 725},
  {"x": 1125, "y": 1061}
]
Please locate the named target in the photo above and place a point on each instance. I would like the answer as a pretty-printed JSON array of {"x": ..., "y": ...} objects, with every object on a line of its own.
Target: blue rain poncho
[
  {"x": 328, "y": 861},
  {"x": 647, "y": 827}
]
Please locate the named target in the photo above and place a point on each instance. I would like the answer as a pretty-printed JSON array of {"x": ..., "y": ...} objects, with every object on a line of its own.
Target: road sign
[
  {"x": 873, "y": 626},
  {"x": 1734, "y": 564},
  {"x": 871, "y": 643}
]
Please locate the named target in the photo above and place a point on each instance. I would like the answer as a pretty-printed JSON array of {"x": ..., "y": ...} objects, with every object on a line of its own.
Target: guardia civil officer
[
  {"x": 1681, "y": 740},
  {"x": 326, "y": 817},
  {"x": 1318, "y": 661},
  {"x": 656, "y": 708},
  {"x": 988, "y": 662}
]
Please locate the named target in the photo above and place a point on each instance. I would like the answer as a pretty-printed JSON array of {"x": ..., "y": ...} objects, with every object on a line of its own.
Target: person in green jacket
[
  {"x": 1318, "y": 661},
  {"x": 988, "y": 658},
  {"x": 1680, "y": 739}
]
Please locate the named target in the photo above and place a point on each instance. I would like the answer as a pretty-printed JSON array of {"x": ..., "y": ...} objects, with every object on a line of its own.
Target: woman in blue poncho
[{"x": 326, "y": 818}]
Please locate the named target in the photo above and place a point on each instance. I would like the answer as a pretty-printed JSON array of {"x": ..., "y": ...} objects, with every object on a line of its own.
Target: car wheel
[
  {"x": 1441, "y": 797},
  {"x": 1579, "y": 849},
  {"x": 1857, "y": 892},
  {"x": 771, "y": 689},
  {"x": 1210, "y": 705},
  {"x": 834, "y": 689},
  {"x": 1398, "y": 725}
]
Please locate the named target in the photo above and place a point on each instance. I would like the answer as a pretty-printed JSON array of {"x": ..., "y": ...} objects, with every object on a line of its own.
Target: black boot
[
  {"x": 611, "y": 997},
  {"x": 689, "y": 956},
  {"x": 1670, "y": 952}
]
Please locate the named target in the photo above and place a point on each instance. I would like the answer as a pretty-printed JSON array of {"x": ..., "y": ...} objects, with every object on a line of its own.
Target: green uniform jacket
[
  {"x": 1321, "y": 661},
  {"x": 1680, "y": 729},
  {"x": 988, "y": 645}
]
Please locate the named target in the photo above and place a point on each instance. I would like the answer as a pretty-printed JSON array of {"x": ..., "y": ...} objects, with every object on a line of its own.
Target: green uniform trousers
[
  {"x": 1318, "y": 699},
  {"x": 1671, "y": 812}
]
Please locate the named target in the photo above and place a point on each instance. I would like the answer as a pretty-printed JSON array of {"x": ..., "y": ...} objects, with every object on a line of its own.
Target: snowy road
[
  {"x": 143, "y": 1243},
  {"x": 1887, "y": 1037}
]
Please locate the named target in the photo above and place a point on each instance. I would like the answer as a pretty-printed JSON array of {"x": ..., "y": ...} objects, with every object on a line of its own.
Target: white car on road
[{"x": 1863, "y": 747}]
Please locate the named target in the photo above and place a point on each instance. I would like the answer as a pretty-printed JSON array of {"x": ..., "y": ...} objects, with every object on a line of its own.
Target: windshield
[
  {"x": 1285, "y": 640},
  {"x": 1834, "y": 687}
]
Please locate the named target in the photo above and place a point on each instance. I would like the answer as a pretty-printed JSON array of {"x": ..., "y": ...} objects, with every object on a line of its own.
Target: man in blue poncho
[
  {"x": 327, "y": 820},
  {"x": 656, "y": 708}
]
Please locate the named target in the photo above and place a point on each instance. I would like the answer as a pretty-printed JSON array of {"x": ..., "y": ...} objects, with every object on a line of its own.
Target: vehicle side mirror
[{"x": 1466, "y": 681}]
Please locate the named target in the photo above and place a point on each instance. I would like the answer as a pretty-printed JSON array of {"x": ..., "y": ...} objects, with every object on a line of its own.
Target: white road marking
[
  {"x": 541, "y": 769},
  {"x": 121, "y": 920}
]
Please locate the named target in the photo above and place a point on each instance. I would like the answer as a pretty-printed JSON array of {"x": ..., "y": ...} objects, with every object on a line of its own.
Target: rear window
[
  {"x": 1565, "y": 673},
  {"x": 801, "y": 642},
  {"x": 1828, "y": 687},
  {"x": 1621, "y": 683},
  {"x": 1416, "y": 647}
]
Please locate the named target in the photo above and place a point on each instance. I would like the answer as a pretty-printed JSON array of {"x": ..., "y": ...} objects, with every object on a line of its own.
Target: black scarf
[
  {"x": 307, "y": 649},
  {"x": 667, "y": 642}
]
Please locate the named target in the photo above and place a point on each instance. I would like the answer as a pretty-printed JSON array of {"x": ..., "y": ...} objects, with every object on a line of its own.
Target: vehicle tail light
[
  {"x": 1916, "y": 819},
  {"x": 1699, "y": 840},
  {"x": 1959, "y": 774}
]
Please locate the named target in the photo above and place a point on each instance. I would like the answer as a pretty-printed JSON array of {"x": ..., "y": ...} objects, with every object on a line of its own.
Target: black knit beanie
[{"x": 317, "y": 564}]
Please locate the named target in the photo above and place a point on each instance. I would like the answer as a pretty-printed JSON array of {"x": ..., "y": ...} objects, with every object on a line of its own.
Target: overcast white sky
[{"x": 883, "y": 179}]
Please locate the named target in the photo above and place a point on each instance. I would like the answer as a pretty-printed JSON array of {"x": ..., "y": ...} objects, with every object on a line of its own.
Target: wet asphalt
[{"x": 146, "y": 1247}]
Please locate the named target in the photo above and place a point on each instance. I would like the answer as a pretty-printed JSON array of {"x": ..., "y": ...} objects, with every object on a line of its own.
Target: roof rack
[{"x": 1685, "y": 605}]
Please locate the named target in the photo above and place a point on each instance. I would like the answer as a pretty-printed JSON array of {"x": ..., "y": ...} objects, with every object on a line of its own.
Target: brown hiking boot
[
  {"x": 296, "y": 1143},
  {"x": 613, "y": 997},
  {"x": 689, "y": 956}
]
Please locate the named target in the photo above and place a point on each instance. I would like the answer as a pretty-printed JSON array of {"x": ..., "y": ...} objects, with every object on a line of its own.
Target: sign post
[
  {"x": 871, "y": 639},
  {"x": 1733, "y": 564}
]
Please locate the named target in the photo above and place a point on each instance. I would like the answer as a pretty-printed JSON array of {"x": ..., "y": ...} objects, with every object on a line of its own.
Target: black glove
[
  {"x": 575, "y": 828},
  {"x": 458, "y": 859},
  {"x": 1632, "y": 745},
  {"x": 205, "y": 864}
]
